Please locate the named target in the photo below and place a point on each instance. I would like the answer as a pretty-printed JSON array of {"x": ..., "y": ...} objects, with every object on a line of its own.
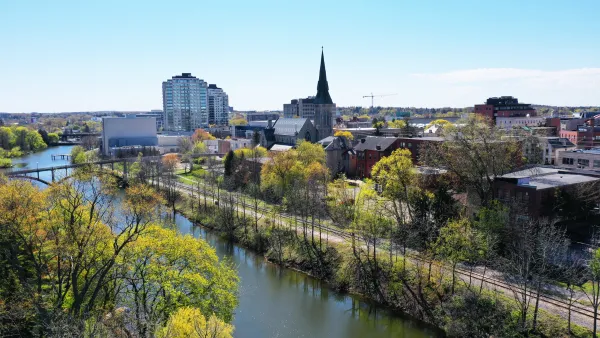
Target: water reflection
[{"x": 276, "y": 302}]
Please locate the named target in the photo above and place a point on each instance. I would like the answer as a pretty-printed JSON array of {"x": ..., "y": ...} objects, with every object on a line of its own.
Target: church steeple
[{"x": 323, "y": 96}]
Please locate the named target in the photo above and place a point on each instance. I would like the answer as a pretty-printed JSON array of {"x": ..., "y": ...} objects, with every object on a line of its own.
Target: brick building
[
  {"x": 370, "y": 150},
  {"x": 508, "y": 109}
]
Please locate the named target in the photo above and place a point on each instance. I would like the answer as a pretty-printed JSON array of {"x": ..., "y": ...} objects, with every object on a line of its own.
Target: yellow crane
[{"x": 373, "y": 96}]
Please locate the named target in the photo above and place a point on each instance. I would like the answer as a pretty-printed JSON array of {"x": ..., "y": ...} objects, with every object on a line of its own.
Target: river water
[{"x": 277, "y": 302}]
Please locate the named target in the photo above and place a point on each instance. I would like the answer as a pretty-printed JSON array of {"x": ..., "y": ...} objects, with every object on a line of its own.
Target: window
[
  {"x": 567, "y": 160},
  {"x": 583, "y": 162},
  {"x": 596, "y": 163}
]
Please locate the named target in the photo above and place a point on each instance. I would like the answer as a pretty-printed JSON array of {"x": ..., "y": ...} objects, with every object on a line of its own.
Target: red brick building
[
  {"x": 504, "y": 106},
  {"x": 585, "y": 136},
  {"x": 370, "y": 150}
]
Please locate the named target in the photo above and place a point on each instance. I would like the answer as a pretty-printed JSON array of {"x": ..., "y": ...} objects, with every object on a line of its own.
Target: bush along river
[{"x": 279, "y": 302}]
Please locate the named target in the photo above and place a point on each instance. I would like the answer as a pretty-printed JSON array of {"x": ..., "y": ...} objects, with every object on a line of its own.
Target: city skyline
[{"x": 111, "y": 56}]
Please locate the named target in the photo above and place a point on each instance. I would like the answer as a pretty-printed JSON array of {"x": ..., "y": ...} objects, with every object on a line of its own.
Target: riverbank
[{"x": 406, "y": 286}]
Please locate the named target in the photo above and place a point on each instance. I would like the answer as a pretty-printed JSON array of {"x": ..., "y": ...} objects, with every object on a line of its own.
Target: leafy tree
[
  {"x": 78, "y": 155},
  {"x": 190, "y": 322},
  {"x": 193, "y": 277},
  {"x": 342, "y": 133},
  {"x": 395, "y": 175},
  {"x": 396, "y": 124},
  {"x": 34, "y": 141},
  {"x": 238, "y": 122},
  {"x": 44, "y": 135},
  {"x": 7, "y": 138},
  {"x": 593, "y": 293},
  {"x": 454, "y": 243},
  {"x": 476, "y": 154},
  {"x": 202, "y": 135},
  {"x": 310, "y": 152},
  {"x": 439, "y": 122},
  {"x": 53, "y": 138},
  {"x": 229, "y": 162}
]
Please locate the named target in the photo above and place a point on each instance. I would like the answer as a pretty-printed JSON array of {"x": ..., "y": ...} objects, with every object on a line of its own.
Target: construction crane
[{"x": 373, "y": 96}]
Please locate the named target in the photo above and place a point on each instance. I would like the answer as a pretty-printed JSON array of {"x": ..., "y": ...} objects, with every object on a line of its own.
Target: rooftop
[
  {"x": 541, "y": 178},
  {"x": 375, "y": 143}
]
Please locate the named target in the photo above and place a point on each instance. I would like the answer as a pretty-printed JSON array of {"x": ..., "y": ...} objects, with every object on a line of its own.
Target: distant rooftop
[{"x": 541, "y": 178}]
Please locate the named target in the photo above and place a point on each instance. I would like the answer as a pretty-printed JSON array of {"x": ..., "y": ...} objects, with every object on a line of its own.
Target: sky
[{"x": 113, "y": 55}]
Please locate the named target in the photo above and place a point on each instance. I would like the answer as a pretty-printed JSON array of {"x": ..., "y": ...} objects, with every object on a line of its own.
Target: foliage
[
  {"x": 202, "y": 135},
  {"x": 439, "y": 122},
  {"x": 22, "y": 137},
  {"x": 53, "y": 138},
  {"x": 78, "y": 155},
  {"x": 396, "y": 124},
  {"x": 193, "y": 276},
  {"x": 475, "y": 153},
  {"x": 342, "y": 133},
  {"x": 238, "y": 122},
  {"x": 67, "y": 262},
  {"x": 190, "y": 322},
  {"x": 5, "y": 162}
]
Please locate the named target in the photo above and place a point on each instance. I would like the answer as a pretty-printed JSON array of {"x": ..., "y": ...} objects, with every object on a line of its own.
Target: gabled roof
[
  {"x": 289, "y": 127},
  {"x": 376, "y": 143}
]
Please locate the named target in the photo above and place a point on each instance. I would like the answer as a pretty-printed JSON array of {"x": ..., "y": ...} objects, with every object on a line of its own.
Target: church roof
[
  {"x": 286, "y": 126},
  {"x": 323, "y": 96}
]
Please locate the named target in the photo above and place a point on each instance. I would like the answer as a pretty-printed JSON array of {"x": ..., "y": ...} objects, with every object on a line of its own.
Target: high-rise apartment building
[
  {"x": 218, "y": 106},
  {"x": 185, "y": 103}
]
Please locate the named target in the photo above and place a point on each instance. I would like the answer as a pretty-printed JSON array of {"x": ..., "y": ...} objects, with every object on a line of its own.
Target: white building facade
[
  {"x": 218, "y": 106},
  {"x": 185, "y": 103}
]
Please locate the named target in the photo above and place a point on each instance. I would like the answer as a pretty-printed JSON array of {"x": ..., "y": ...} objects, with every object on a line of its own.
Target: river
[{"x": 277, "y": 302}]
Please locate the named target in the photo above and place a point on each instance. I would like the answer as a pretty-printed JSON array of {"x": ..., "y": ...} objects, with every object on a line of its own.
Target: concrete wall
[{"x": 119, "y": 132}]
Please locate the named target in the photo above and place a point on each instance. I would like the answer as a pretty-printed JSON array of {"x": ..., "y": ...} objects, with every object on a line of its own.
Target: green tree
[
  {"x": 34, "y": 141},
  {"x": 7, "y": 138},
  {"x": 53, "y": 138},
  {"x": 454, "y": 244},
  {"x": 395, "y": 175},
  {"x": 78, "y": 155},
  {"x": 229, "y": 163},
  {"x": 189, "y": 322},
  {"x": 167, "y": 271}
]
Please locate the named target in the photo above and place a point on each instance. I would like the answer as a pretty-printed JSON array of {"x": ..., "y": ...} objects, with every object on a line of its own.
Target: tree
[
  {"x": 229, "y": 163},
  {"x": 185, "y": 145},
  {"x": 453, "y": 243},
  {"x": 439, "y": 123},
  {"x": 202, "y": 135},
  {"x": 190, "y": 322},
  {"x": 169, "y": 164},
  {"x": 593, "y": 293},
  {"x": 255, "y": 138},
  {"x": 238, "y": 122},
  {"x": 86, "y": 128},
  {"x": 476, "y": 154},
  {"x": 53, "y": 138},
  {"x": 395, "y": 175},
  {"x": 399, "y": 124},
  {"x": 44, "y": 135},
  {"x": 78, "y": 155},
  {"x": 342, "y": 133},
  {"x": 192, "y": 277},
  {"x": 7, "y": 138},
  {"x": 89, "y": 142},
  {"x": 310, "y": 152}
]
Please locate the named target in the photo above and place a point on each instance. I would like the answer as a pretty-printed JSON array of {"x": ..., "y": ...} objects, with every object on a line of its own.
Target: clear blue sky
[{"x": 113, "y": 55}]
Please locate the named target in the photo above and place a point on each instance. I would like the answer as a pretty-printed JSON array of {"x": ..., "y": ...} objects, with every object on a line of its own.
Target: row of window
[{"x": 580, "y": 162}]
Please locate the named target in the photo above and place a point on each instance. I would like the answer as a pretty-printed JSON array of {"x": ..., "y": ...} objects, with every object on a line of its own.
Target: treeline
[
  {"x": 25, "y": 139},
  {"x": 77, "y": 260}
]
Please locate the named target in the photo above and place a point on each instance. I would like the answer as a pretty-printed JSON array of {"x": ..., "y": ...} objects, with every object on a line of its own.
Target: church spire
[{"x": 323, "y": 96}]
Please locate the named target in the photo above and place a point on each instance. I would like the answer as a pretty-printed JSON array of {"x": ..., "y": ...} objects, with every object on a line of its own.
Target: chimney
[{"x": 270, "y": 124}]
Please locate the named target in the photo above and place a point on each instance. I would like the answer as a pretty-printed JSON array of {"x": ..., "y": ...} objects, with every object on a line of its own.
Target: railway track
[{"x": 576, "y": 308}]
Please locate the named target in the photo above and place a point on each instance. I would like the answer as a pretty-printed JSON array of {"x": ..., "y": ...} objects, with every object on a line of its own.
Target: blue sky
[{"x": 113, "y": 55}]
